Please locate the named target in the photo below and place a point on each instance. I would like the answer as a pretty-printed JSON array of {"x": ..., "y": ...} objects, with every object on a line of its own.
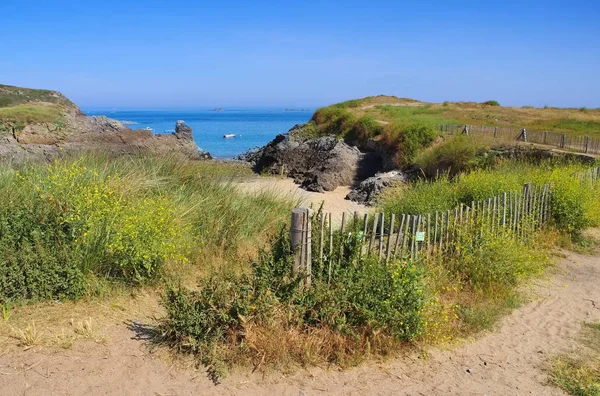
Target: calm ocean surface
[{"x": 252, "y": 127}]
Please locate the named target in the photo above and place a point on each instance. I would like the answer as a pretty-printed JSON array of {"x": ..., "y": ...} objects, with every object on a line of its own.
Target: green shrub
[
  {"x": 355, "y": 301},
  {"x": 35, "y": 260},
  {"x": 455, "y": 155},
  {"x": 405, "y": 141},
  {"x": 115, "y": 236},
  {"x": 491, "y": 103},
  {"x": 363, "y": 128},
  {"x": 574, "y": 205},
  {"x": 333, "y": 120},
  {"x": 422, "y": 197},
  {"x": 129, "y": 219},
  {"x": 488, "y": 261}
]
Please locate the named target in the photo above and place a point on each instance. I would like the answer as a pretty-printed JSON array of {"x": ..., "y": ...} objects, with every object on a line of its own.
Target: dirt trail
[{"x": 508, "y": 361}]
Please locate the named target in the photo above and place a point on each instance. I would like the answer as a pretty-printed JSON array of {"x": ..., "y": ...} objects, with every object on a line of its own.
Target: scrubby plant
[
  {"x": 131, "y": 220},
  {"x": 405, "y": 141},
  {"x": 575, "y": 205},
  {"x": 491, "y": 103},
  {"x": 356, "y": 300},
  {"x": 112, "y": 235},
  {"x": 455, "y": 155}
]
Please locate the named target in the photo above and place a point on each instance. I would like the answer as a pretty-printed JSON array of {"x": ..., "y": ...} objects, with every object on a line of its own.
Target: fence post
[
  {"x": 495, "y": 132},
  {"x": 522, "y": 134},
  {"x": 587, "y": 144},
  {"x": 296, "y": 238},
  {"x": 545, "y": 137},
  {"x": 308, "y": 239},
  {"x": 563, "y": 141},
  {"x": 466, "y": 130}
]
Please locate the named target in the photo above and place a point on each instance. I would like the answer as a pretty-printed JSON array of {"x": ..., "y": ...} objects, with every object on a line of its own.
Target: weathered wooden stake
[
  {"x": 296, "y": 238},
  {"x": 308, "y": 268}
]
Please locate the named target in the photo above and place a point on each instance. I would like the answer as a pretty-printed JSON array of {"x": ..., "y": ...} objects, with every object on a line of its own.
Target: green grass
[
  {"x": 407, "y": 115},
  {"x": 13, "y": 96},
  {"x": 578, "y": 373},
  {"x": 29, "y": 113},
  {"x": 131, "y": 220},
  {"x": 389, "y": 109},
  {"x": 575, "y": 206},
  {"x": 574, "y": 127}
]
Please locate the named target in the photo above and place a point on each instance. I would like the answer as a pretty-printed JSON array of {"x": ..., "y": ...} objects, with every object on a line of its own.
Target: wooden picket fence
[
  {"x": 582, "y": 144},
  {"x": 390, "y": 236},
  {"x": 315, "y": 239}
]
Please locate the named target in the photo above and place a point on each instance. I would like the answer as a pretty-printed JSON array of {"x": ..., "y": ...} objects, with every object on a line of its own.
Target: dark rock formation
[
  {"x": 370, "y": 188},
  {"x": 318, "y": 164},
  {"x": 183, "y": 131}
]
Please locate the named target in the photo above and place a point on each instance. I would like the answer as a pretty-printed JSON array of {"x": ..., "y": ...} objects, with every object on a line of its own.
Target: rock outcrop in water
[{"x": 45, "y": 124}]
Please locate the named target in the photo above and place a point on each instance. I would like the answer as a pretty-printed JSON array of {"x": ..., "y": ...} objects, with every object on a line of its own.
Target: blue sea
[{"x": 252, "y": 127}]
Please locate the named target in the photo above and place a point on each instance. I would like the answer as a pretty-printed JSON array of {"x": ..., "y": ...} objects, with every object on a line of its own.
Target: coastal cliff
[{"x": 38, "y": 124}]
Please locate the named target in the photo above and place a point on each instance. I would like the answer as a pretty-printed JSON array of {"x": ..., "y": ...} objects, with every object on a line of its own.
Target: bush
[
  {"x": 490, "y": 261},
  {"x": 422, "y": 197},
  {"x": 363, "y": 128},
  {"x": 455, "y": 155},
  {"x": 35, "y": 260},
  {"x": 130, "y": 220},
  {"x": 491, "y": 103},
  {"x": 405, "y": 141},
  {"x": 112, "y": 235},
  {"x": 358, "y": 301},
  {"x": 574, "y": 205}
]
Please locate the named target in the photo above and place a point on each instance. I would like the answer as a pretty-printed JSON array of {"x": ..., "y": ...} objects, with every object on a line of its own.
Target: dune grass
[
  {"x": 578, "y": 373},
  {"x": 69, "y": 227}
]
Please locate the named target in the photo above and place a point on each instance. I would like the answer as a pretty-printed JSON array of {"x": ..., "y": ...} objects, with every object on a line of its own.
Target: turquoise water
[{"x": 252, "y": 127}]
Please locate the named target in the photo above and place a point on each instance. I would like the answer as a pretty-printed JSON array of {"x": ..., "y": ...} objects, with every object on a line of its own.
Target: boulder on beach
[
  {"x": 317, "y": 164},
  {"x": 368, "y": 190}
]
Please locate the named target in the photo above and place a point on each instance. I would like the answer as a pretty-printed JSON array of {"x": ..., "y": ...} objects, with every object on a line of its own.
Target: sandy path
[
  {"x": 333, "y": 201},
  {"x": 509, "y": 361}
]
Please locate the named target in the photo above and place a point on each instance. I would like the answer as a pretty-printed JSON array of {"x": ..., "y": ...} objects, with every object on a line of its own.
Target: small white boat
[{"x": 229, "y": 135}]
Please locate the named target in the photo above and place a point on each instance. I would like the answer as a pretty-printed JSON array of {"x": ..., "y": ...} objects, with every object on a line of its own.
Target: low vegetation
[
  {"x": 71, "y": 226},
  {"x": 575, "y": 205},
  {"x": 357, "y": 303},
  {"x": 222, "y": 260},
  {"x": 384, "y": 110},
  {"x": 15, "y": 118},
  {"x": 578, "y": 373},
  {"x": 14, "y": 96}
]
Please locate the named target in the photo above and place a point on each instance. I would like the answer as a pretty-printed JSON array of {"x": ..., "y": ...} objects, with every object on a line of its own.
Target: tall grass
[
  {"x": 129, "y": 219},
  {"x": 575, "y": 205}
]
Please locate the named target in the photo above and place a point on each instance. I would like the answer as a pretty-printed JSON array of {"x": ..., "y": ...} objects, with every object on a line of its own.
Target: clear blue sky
[{"x": 183, "y": 53}]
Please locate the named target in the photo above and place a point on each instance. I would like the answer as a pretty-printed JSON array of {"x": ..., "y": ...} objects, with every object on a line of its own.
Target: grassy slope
[
  {"x": 31, "y": 113},
  {"x": 22, "y": 106},
  {"x": 390, "y": 109},
  {"x": 13, "y": 96}
]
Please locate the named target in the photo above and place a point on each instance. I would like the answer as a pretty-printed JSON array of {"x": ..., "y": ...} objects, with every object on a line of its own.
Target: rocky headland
[{"x": 41, "y": 124}]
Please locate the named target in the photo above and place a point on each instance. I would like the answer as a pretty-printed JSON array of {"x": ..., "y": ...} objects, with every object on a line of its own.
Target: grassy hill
[
  {"x": 390, "y": 109},
  {"x": 14, "y": 96},
  {"x": 403, "y": 126},
  {"x": 22, "y": 106}
]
